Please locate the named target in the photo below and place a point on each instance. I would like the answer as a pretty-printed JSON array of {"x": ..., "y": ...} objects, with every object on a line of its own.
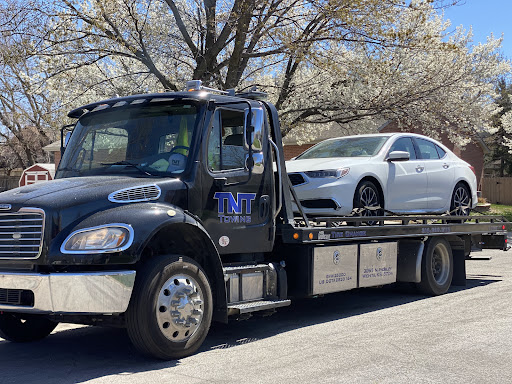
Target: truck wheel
[
  {"x": 22, "y": 328},
  {"x": 171, "y": 308},
  {"x": 436, "y": 267}
]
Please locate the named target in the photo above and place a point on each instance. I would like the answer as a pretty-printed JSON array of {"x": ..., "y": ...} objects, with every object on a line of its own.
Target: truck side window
[{"x": 225, "y": 142}]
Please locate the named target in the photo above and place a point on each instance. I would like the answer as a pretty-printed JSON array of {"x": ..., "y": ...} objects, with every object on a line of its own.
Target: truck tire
[
  {"x": 170, "y": 311},
  {"x": 23, "y": 328},
  {"x": 436, "y": 267}
]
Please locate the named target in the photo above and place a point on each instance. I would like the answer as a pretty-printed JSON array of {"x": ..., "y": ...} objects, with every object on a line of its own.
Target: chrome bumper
[{"x": 72, "y": 293}]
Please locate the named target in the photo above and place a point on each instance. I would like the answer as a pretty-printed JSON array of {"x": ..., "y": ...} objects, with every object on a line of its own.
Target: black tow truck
[{"x": 172, "y": 210}]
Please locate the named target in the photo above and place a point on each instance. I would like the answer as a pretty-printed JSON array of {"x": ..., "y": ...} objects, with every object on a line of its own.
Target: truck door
[{"x": 238, "y": 206}]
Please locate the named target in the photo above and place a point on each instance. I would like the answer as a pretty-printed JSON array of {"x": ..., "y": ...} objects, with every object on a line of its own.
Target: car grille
[
  {"x": 136, "y": 194},
  {"x": 296, "y": 178},
  {"x": 16, "y": 297},
  {"x": 21, "y": 234}
]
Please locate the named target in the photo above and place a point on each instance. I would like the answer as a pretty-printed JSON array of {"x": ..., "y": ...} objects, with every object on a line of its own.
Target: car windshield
[
  {"x": 150, "y": 140},
  {"x": 364, "y": 146}
]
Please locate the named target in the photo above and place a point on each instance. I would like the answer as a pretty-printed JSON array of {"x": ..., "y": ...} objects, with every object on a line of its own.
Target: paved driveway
[{"x": 369, "y": 336}]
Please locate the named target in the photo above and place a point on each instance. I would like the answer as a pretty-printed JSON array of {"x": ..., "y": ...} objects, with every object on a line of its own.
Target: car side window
[
  {"x": 225, "y": 141},
  {"x": 404, "y": 144},
  {"x": 440, "y": 151},
  {"x": 428, "y": 149}
]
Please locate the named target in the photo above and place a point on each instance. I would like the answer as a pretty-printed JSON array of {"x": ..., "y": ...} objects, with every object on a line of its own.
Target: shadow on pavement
[{"x": 80, "y": 354}]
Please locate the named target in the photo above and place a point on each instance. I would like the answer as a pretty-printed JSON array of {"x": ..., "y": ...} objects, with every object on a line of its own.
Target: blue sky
[{"x": 486, "y": 17}]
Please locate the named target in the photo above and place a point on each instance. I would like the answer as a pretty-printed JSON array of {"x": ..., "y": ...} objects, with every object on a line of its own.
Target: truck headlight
[{"x": 105, "y": 238}]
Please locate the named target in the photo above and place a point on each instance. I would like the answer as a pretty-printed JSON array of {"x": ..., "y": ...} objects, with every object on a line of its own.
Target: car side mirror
[{"x": 398, "y": 156}]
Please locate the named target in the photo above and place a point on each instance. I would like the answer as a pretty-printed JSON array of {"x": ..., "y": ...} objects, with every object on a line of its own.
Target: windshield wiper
[{"x": 130, "y": 164}]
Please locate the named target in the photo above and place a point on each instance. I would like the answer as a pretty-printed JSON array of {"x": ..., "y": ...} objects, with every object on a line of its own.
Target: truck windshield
[{"x": 149, "y": 140}]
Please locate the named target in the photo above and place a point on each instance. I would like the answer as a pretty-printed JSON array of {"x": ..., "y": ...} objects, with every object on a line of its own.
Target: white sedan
[{"x": 398, "y": 172}]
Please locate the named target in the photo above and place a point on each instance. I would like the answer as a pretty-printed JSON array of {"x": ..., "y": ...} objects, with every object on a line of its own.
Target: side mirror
[
  {"x": 253, "y": 134},
  {"x": 65, "y": 140},
  {"x": 398, "y": 156}
]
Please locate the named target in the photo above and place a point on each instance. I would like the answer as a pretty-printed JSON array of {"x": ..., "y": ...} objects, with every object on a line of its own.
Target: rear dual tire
[{"x": 436, "y": 267}]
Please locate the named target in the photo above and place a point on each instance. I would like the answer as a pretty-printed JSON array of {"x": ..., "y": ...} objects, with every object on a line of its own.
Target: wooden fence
[
  {"x": 9, "y": 180},
  {"x": 497, "y": 190}
]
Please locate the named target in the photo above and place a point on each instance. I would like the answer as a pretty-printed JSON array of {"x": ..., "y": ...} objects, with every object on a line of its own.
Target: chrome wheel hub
[
  {"x": 461, "y": 201},
  {"x": 370, "y": 199},
  {"x": 179, "y": 311}
]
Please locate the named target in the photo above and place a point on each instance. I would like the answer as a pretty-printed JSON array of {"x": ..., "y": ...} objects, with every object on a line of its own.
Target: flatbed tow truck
[{"x": 173, "y": 210}]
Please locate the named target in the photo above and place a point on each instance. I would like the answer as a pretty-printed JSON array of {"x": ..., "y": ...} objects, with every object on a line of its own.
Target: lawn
[{"x": 503, "y": 210}]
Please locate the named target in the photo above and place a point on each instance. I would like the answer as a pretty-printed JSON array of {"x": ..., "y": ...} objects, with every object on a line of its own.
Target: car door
[
  {"x": 407, "y": 180},
  {"x": 440, "y": 174},
  {"x": 238, "y": 206}
]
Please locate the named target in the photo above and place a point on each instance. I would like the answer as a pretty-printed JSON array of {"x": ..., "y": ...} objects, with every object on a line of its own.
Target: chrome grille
[
  {"x": 296, "y": 178},
  {"x": 21, "y": 234},
  {"x": 136, "y": 194}
]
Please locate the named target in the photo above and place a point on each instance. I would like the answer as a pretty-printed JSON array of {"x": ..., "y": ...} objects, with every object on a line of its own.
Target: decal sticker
[
  {"x": 224, "y": 241},
  {"x": 379, "y": 253},
  {"x": 233, "y": 209},
  {"x": 336, "y": 257}
]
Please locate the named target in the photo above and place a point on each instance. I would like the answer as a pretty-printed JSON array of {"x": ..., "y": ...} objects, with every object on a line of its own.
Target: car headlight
[
  {"x": 105, "y": 238},
  {"x": 335, "y": 173}
]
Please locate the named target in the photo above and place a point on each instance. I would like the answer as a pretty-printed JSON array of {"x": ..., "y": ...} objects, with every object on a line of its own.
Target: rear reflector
[{"x": 473, "y": 169}]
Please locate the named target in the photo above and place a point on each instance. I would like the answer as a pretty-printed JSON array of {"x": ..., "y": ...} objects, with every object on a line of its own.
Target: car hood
[{"x": 300, "y": 165}]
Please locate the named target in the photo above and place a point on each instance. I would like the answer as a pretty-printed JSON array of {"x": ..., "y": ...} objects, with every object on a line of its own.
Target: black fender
[{"x": 157, "y": 229}]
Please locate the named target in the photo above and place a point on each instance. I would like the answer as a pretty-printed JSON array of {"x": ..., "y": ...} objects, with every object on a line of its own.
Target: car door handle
[
  {"x": 446, "y": 166},
  {"x": 419, "y": 168}
]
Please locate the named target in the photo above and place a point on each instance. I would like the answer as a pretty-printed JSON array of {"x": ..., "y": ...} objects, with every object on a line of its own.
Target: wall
[{"x": 294, "y": 150}]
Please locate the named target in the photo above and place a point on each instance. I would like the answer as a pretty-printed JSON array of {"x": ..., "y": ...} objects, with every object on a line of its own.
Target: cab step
[{"x": 255, "y": 306}]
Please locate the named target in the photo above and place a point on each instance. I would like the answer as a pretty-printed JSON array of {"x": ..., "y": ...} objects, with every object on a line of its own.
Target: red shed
[{"x": 37, "y": 173}]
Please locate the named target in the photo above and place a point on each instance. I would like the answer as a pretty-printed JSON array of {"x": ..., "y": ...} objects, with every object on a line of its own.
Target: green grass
[{"x": 503, "y": 210}]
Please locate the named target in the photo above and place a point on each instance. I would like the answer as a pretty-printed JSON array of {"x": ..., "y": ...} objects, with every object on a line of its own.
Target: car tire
[
  {"x": 436, "y": 267},
  {"x": 24, "y": 328},
  {"x": 367, "y": 195},
  {"x": 171, "y": 308},
  {"x": 460, "y": 204}
]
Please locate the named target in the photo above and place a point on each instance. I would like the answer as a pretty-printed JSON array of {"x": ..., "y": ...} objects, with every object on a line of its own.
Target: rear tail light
[{"x": 473, "y": 169}]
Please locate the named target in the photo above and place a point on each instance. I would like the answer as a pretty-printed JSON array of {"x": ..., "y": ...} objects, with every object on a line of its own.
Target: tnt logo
[{"x": 228, "y": 204}]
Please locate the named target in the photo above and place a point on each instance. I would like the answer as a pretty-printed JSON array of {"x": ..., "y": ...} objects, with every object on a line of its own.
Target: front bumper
[{"x": 69, "y": 293}]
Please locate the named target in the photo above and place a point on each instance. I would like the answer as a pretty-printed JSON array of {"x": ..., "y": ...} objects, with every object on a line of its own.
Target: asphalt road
[{"x": 387, "y": 335}]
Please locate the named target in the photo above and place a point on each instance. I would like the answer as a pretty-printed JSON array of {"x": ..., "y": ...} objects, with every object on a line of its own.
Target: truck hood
[{"x": 75, "y": 191}]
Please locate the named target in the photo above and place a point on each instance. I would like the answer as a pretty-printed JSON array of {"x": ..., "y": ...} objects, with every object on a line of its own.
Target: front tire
[
  {"x": 171, "y": 308},
  {"x": 24, "y": 328},
  {"x": 436, "y": 267},
  {"x": 368, "y": 201}
]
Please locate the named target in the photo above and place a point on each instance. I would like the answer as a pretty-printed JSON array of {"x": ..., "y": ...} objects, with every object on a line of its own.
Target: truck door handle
[
  {"x": 264, "y": 206},
  {"x": 446, "y": 166},
  {"x": 419, "y": 168}
]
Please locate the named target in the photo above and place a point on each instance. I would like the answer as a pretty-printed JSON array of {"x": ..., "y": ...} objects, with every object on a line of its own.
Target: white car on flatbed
[{"x": 398, "y": 172}]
